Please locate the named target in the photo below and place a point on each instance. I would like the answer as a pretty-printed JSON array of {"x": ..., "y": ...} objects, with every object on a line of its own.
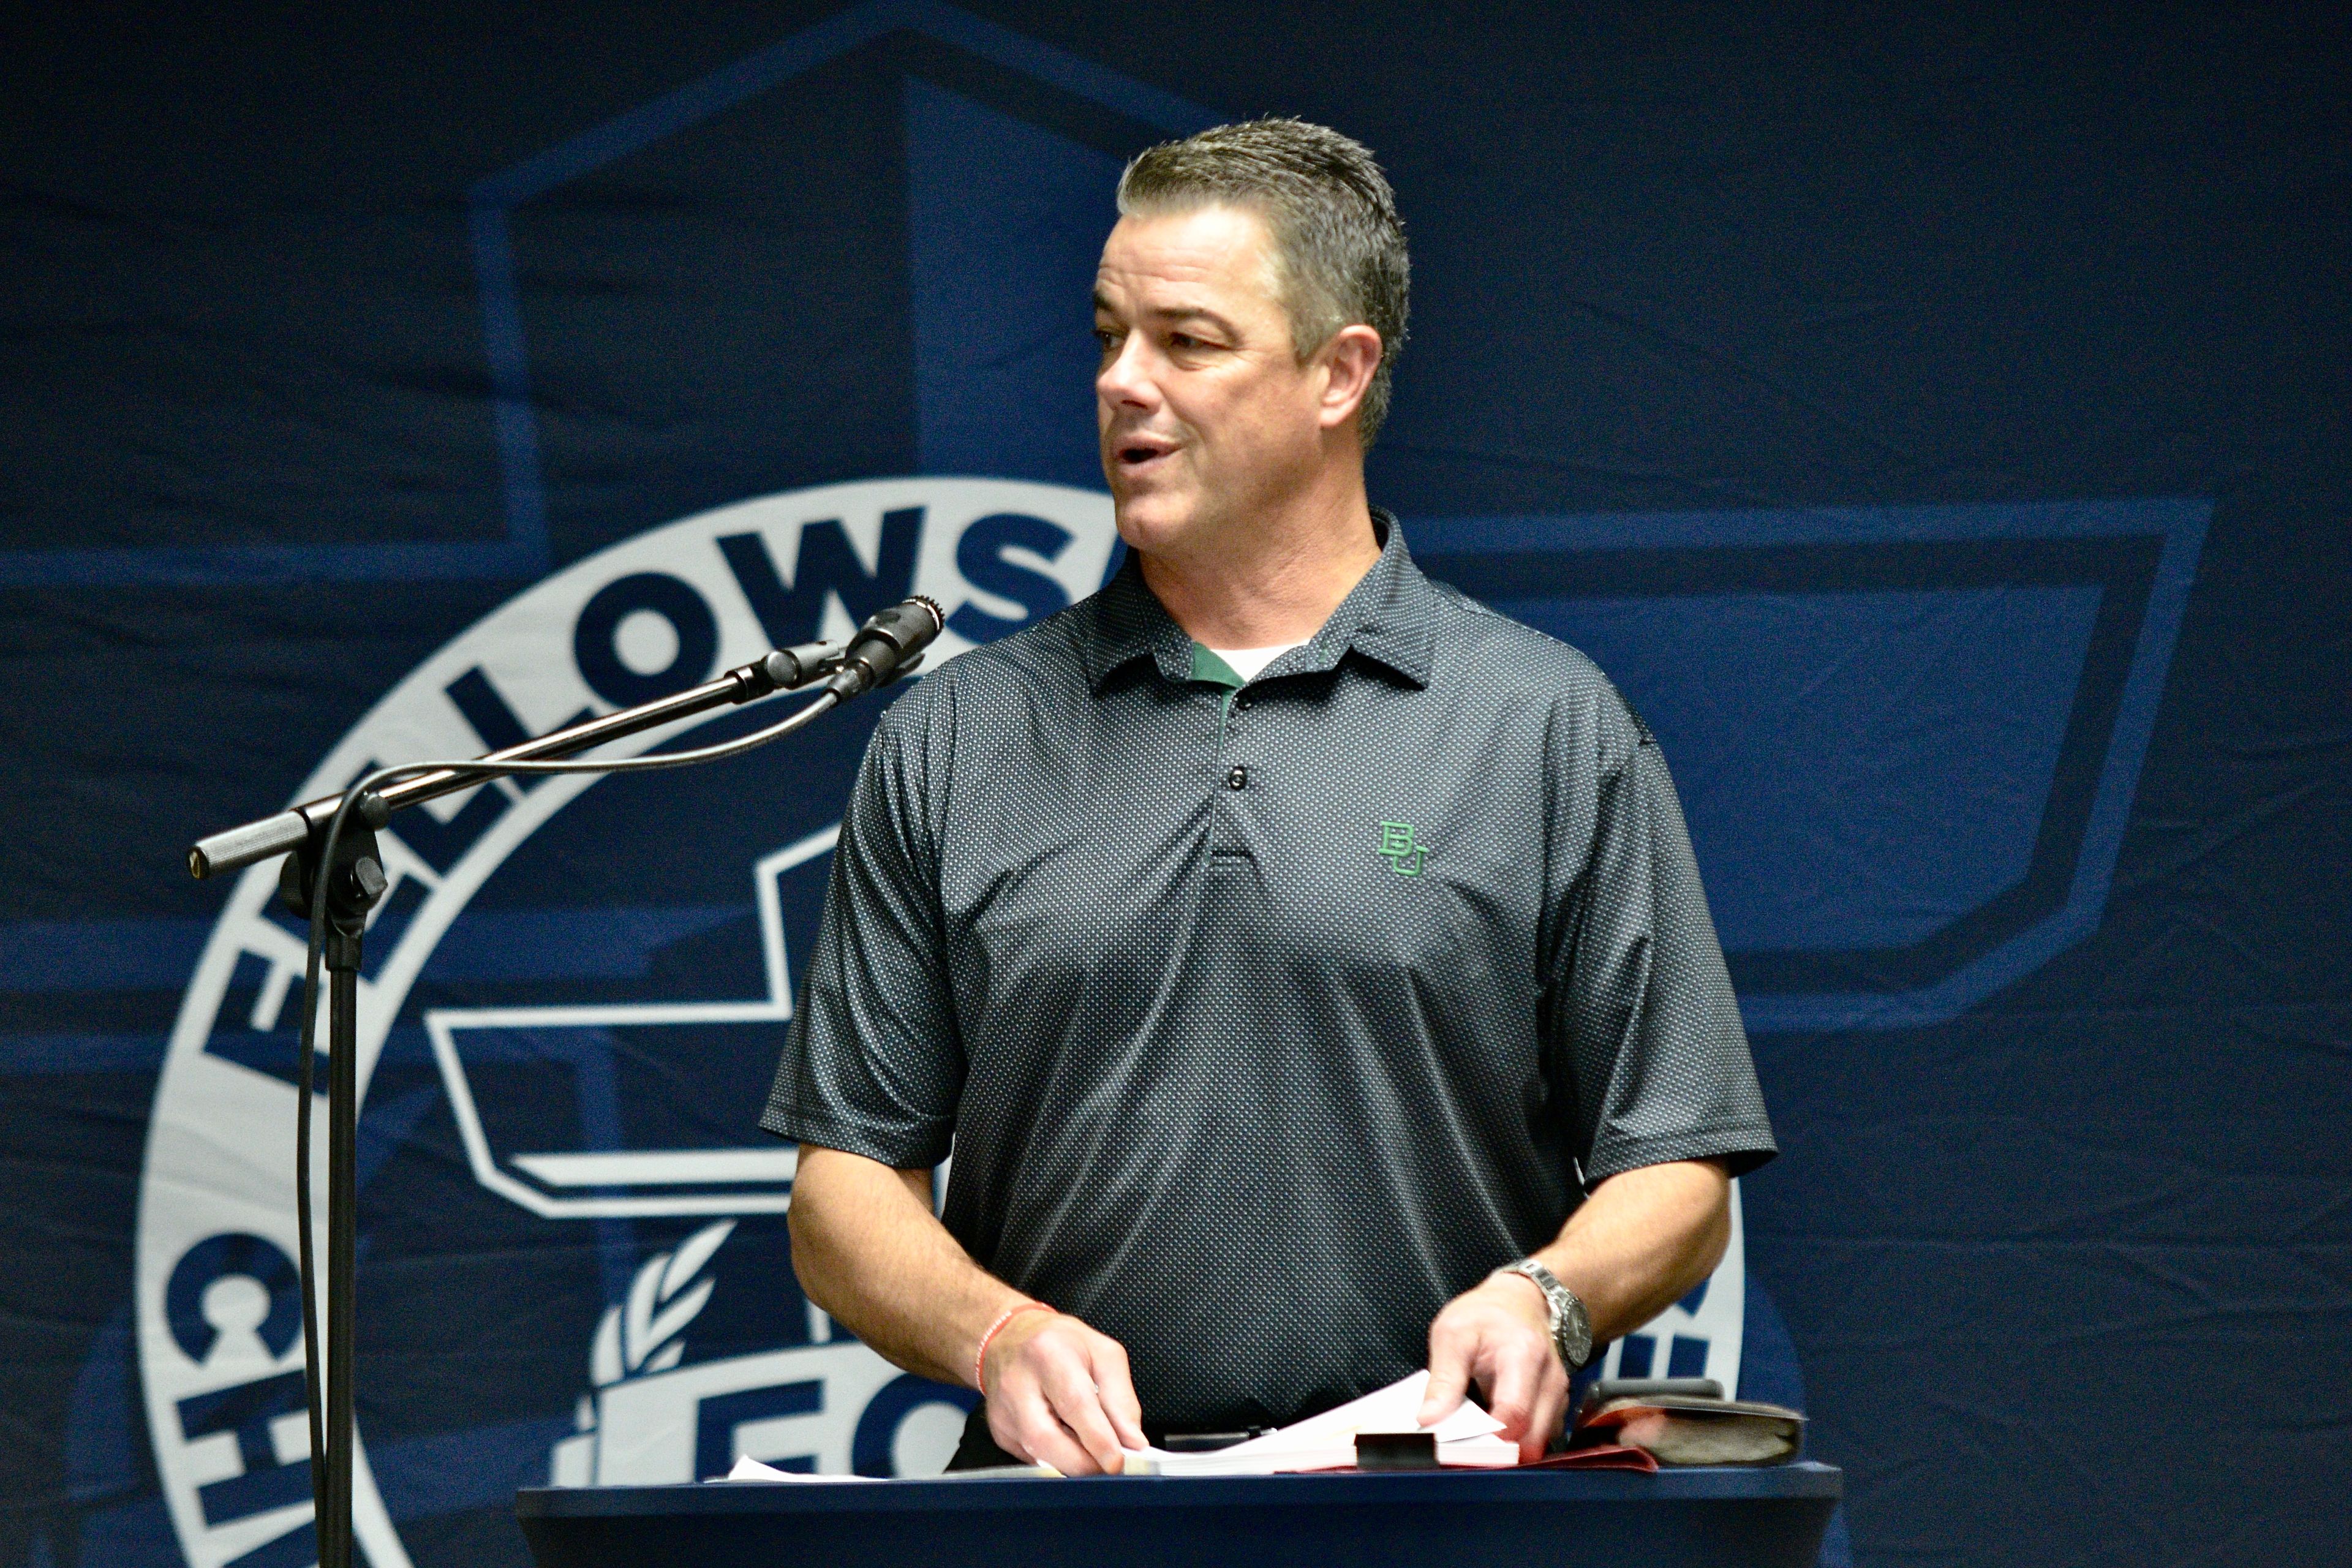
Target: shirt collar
[{"x": 1387, "y": 617}]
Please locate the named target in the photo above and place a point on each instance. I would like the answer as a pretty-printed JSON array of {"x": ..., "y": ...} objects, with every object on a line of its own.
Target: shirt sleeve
[
  {"x": 872, "y": 1064},
  {"x": 1642, "y": 1024}
]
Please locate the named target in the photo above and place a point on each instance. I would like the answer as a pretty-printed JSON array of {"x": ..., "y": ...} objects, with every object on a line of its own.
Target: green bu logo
[{"x": 1405, "y": 851}]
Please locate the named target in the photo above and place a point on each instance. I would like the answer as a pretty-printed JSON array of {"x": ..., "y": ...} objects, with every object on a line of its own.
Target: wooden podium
[{"x": 1768, "y": 1517}]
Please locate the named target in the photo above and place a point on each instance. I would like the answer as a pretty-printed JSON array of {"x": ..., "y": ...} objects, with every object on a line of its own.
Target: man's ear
[{"x": 1349, "y": 360}]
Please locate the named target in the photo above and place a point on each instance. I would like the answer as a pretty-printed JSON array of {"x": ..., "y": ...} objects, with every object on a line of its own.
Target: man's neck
[{"x": 1278, "y": 583}]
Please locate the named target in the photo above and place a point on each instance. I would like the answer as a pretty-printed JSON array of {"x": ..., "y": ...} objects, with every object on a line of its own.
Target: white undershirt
[{"x": 1247, "y": 661}]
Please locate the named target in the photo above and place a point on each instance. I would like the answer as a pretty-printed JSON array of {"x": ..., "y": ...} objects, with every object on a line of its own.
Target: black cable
[
  {"x": 304, "y": 1269},
  {"x": 323, "y": 869}
]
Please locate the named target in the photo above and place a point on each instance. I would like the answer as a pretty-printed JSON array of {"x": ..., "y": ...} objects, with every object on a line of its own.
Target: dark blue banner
[{"x": 1935, "y": 425}]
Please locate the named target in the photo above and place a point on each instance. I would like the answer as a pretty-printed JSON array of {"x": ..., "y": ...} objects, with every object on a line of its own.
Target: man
[{"x": 1287, "y": 944}]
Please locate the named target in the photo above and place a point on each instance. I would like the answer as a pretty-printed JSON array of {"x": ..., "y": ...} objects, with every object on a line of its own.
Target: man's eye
[{"x": 1182, "y": 341}]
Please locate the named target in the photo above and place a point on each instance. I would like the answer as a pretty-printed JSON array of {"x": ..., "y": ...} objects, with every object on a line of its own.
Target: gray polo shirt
[{"x": 1263, "y": 1019}]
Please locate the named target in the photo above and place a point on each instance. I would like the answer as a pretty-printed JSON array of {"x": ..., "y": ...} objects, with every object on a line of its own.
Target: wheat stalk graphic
[{"x": 645, "y": 1334}]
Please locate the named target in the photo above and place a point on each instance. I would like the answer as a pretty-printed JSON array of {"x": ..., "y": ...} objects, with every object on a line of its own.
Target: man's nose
[{"x": 1126, "y": 378}]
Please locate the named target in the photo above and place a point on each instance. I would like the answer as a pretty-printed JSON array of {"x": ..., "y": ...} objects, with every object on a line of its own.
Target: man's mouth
[{"x": 1137, "y": 458}]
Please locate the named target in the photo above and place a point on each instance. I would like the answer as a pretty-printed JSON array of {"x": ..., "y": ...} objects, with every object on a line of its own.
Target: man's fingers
[
  {"x": 1512, "y": 1386},
  {"x": 1077, "y": 1405},
  {"x": 1551, "y": 1413},
  {"x": 1530, "y": 1390},
  {"x": 1117, "y": 1386},
  {"x": 1007, "y": 1426},
  {"x": 1449, "y": 1377},
  {"x": 1021, "y": 1419},
  {"x": 1049, "y": 1442}
]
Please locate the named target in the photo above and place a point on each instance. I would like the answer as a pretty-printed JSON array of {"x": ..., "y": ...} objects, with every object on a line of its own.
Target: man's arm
[
  {"x": 870, "y": 1251},
  {"x": 1646, "y": 1055},
  {"x": 1639, "y": 1242}
]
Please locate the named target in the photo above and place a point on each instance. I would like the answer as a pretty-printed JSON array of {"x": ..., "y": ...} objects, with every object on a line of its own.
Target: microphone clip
[{"x": 889, "y": 645}]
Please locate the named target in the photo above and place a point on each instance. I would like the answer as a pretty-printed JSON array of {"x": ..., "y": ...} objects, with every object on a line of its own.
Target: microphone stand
[
  {"x": 333, "y": 875},
  {"x": 786, "y": 669}
]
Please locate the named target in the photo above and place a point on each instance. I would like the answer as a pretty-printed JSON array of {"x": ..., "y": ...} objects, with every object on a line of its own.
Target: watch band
[{"x": 1571, "y": 1325}]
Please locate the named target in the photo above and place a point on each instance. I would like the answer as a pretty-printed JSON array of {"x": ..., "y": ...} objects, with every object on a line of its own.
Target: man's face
[{"x": 1205, "y": 413}]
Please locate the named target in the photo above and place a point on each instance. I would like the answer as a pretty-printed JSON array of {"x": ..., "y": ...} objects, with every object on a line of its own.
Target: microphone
[{"x": 889, "y": 645}]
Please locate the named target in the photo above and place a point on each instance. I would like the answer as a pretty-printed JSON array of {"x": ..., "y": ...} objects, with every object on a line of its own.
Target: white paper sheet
[
  {"x": 1327, "y": 1442},
  {"x": 747, "y": 1469}
]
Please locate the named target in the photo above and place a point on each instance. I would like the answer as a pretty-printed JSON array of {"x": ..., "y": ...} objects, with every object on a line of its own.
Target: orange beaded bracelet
[{"x": 980, "y": 1356}]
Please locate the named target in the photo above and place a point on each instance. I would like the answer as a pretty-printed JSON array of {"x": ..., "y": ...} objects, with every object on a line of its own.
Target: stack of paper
[
  {"x": 1327, "y": 1442},
  {"x": 747, "y": 1469}
]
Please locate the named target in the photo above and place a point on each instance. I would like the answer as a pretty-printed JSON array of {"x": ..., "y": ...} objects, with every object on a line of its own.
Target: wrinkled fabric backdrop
[{"x": 1934, "y": 418}]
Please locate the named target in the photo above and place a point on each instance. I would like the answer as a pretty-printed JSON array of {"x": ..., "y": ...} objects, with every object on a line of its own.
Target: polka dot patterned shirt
[{"x": 1263, "y": 1018}]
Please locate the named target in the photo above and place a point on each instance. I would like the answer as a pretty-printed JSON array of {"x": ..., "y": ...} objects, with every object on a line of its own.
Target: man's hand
[
  {"x": 1059, "y": 1394},
  {"x": 1498, "y": 1335}
]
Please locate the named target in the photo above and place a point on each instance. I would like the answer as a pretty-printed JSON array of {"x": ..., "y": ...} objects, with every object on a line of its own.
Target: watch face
[
  {"x": 1574, "y": 1334},
  {"x": 1572, "y": 1327}
]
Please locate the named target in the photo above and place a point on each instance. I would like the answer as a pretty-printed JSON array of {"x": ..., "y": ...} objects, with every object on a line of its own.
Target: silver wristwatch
[{"x": 1571, "y": 1326}]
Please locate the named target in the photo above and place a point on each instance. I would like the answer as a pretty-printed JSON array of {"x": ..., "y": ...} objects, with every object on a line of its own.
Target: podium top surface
[{"x": 993, "y": 1494}]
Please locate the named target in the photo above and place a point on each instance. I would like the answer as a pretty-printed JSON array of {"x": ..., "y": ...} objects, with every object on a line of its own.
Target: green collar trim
[{"x": 1207, "y": 667}]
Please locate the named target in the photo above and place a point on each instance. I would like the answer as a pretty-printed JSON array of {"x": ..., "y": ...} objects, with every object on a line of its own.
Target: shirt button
[
  {"x": 1237, "y": 779},
  {"x": 1241, "y": 704}
]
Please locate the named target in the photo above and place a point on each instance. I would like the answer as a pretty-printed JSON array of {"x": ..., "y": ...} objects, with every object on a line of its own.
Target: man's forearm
[
  {"x": 1642, "y": 1240},
  {"x": 870, "y": 1251}
]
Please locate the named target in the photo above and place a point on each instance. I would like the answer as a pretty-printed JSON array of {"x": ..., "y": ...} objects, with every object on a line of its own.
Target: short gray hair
[{"x": 1338, "y": 244}]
